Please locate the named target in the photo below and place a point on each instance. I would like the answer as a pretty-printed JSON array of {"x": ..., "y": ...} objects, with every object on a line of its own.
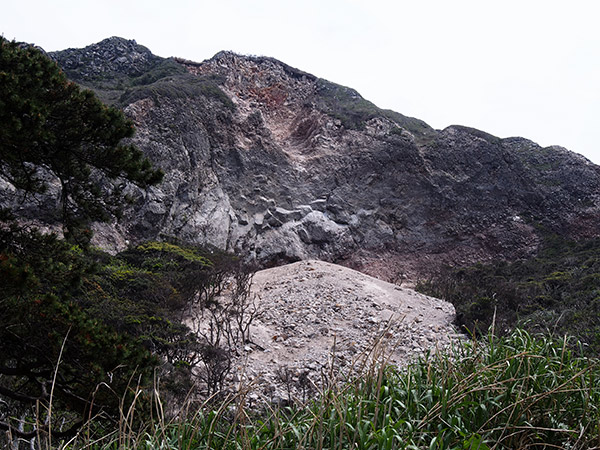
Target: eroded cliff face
[{"x": 265, "y": 159}]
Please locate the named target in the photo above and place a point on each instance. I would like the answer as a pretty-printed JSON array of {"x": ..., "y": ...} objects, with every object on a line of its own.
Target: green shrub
[
  {"x": 555, "y": 290},
  {"x": 178, "y": 87},
  {"x": 165, "y": 68}
]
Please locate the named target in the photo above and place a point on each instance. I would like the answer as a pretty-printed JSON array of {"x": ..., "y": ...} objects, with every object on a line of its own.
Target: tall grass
[{"x": 516, "y": 392}]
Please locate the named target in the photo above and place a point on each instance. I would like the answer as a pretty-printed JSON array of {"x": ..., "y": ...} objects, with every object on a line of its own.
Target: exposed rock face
[
  {"x": 113, "y": 58},
  {"x": 267, "y": 159}
]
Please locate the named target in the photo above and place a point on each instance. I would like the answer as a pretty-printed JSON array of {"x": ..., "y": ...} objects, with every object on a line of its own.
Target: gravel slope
[{"x": 318, "y": 318}]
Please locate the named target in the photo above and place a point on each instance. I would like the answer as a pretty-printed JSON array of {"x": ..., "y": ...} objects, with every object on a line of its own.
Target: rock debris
[{"x": 319, "y": 320}]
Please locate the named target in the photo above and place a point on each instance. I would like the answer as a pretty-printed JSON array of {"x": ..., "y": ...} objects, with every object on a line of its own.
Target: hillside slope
[{"x": 264, "y": 158}]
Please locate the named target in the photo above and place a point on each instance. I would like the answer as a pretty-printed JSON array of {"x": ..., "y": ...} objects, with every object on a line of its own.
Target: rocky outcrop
[
  {"x": 269, "y": 160},
  {"x": 111, "y": 60}
]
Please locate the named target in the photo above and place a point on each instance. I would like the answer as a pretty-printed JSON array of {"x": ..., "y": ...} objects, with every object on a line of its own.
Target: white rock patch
[{"x": 312, "y": 310}]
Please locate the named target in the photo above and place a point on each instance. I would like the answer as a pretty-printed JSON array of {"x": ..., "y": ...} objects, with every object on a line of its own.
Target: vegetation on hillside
[
  {"x": 176, "y": 87},
  {"x": 353, "y": 111},
  {"x": 558, "y": 290},
  {"x": 499, "y": 393},
  {"x": 81, "y": 329}
]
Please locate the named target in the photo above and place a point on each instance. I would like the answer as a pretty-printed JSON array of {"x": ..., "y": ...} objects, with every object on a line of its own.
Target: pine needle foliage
[
  {"x": 59, "y": 365},
  {"x": 51, "y": 129}
]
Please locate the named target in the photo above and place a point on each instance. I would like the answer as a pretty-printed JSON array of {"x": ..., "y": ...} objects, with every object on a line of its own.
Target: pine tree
[{"x": 51, "y": 130}]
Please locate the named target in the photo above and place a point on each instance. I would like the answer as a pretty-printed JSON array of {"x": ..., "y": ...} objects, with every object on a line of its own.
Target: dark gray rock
[{"x": 263, "y": 158}]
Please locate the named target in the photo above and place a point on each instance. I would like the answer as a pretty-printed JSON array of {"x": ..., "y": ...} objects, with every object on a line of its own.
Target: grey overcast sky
[{"x": 527, "y": 68}]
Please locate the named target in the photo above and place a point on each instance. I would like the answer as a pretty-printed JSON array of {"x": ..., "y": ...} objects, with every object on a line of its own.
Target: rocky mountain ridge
[
  {"x": 269, "y": 160},
  {"x": 113, "y": 58}
]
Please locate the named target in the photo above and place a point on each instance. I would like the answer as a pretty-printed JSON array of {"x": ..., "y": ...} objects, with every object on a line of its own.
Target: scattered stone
[
  {"x": 284, "y": 215},
  {"x": 319, "y": 205},
  {"x": 319, "y": 314}
]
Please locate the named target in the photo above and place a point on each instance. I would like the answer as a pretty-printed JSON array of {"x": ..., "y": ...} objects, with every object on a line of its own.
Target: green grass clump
[
  {"x": 514, "y": 392},
  {"x": 187, "y": 253}
]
